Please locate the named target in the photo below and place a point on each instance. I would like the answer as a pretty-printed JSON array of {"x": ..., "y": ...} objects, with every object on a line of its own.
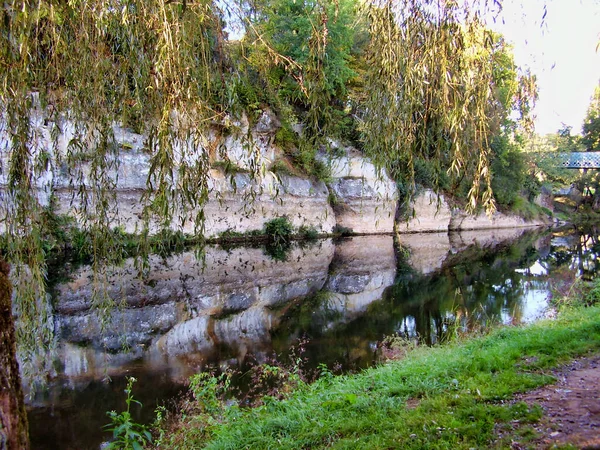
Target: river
[{"x": 333, "y": 301}]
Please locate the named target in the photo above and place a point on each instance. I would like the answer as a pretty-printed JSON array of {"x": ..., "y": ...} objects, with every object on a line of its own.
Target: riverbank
[{"x": 452, "y": 396}]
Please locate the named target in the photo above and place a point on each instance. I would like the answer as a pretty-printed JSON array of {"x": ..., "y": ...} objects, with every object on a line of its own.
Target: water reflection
[{"x": 240, "y": 304}]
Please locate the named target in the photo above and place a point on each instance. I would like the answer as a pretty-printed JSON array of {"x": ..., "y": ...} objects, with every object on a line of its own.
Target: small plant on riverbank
[
  {"x": 568, "y": 290},
  {"x": 593, "y": 296},
  {"x": 279, "y": 230},
  {"x": 342, "y": 231},
  {"x": 209, "y": 391},
  {"x": 127, "y": 434},
  {"x": 308, "y": 233},
  {"x": 277, "y": 380},
  {"x": 395, "y": 347}
]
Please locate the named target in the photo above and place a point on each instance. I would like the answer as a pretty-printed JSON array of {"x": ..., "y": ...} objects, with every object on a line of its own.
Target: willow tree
[
  {"x": 431, "y": 92},
  {"x": 73, "y": 69}
]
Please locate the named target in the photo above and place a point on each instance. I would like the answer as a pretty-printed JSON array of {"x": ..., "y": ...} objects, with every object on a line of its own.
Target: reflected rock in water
[
  {"x": 460, "y": 241},
  {"x": 187, "y": 305},
  {"x": 190, "y": 313},
  {"x": 361, "y": 270},
  {"x": 338, "y": 300},
  {"x": 427, "y": 251}
]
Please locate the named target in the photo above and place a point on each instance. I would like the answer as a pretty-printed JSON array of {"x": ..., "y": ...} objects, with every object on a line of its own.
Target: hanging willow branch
[
  {"x": 73, "y": 70},
  {"x": 430, "y": 87}
]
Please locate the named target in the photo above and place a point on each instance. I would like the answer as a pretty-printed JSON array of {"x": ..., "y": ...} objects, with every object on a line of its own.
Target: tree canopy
[{"x": 590, "y": 136}]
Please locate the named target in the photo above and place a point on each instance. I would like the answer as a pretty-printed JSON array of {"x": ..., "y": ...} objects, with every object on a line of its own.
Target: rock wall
[
  {"x": 463, "y": 221},
  {"x": 434, "y": 214},
  {"x": 364, "y": 199},
  {"x": 358, "y": 197},
  {"x": 238, "y": 201}
]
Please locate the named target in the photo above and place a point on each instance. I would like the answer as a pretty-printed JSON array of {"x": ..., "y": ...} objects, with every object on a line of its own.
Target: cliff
[{"x": 245, "y": 190}]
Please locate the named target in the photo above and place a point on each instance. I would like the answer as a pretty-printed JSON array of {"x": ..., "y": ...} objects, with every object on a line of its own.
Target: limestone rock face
[
  {"x": 236, "y": 202},
  {"x": 365, "y": 200},
  {"x": 432, "y": 213},
  {"x": 268, "y": 123},
  {"x": 251, "y": 204},
  {"x": 359, "y": 197},
  {"x": 463, "y": 221}
]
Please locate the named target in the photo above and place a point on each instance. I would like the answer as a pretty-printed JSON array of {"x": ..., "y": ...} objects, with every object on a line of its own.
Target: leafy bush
[
  {"x": 593, "y": 296},
  {"x": 430, "y": 176},
  {"x": 508, "y": 168},
  {"x": 309, "y": 233},
  {"x": 209, "y": 391},
  {"x": 342, "y": 231},
  {"x": 285, "y": 137},
  {"x": 522, "y": 207},
  {"x": 279, "y": 230}
]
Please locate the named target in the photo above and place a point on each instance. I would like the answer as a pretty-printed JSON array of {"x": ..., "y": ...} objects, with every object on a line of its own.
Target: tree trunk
[{"x": 13, "y": 418}]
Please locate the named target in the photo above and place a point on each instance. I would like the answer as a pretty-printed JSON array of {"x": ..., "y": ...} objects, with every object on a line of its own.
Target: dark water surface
[{"x": 239, "y": 305}]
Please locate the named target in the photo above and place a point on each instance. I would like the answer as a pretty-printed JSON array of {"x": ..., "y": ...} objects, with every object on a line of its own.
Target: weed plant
[
  {"x": 127, "y": 434},
  {"x": 308, "y": 232},
  {"x": 279, "y": 230}
]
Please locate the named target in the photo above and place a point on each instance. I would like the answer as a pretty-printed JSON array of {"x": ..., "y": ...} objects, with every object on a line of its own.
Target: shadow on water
[{"x": 241, "y": 305}]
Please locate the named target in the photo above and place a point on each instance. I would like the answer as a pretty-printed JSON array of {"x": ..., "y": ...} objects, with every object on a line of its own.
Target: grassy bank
[{"x": 452, "y": 396}]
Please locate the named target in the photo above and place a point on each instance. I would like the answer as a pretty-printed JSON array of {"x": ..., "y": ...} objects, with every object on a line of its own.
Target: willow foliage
[
  {"x": 71, "y": 70},
  {"x": 430, "y": 90}
]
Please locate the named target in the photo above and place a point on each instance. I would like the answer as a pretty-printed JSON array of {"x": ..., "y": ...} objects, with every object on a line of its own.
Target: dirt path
[{"x": 571, "y": 406}]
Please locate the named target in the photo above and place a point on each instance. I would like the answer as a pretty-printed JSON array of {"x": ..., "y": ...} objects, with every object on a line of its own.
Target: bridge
[{"x": 573, "y": 160}]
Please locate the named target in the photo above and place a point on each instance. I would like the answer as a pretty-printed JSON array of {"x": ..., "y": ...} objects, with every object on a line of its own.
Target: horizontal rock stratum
[{"x": 241, "y": 198}]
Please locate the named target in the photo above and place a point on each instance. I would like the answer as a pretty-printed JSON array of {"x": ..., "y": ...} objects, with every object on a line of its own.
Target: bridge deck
[{"x": 574, "y": 160}]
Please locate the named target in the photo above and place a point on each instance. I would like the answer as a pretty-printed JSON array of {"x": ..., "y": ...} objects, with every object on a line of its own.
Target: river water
[{"x": 338, "y": 299}]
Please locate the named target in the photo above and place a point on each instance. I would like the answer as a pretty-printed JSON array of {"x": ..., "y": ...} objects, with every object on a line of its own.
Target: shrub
[
  {"x": 285, "y": 137},
  {"x": 342, "y": 231},
  {"x": 279, "y": 230},
  {"x": 309, "y": 233}
]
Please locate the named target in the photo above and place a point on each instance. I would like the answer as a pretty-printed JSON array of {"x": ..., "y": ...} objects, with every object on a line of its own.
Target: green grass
[{"x": 459, "y": 394}]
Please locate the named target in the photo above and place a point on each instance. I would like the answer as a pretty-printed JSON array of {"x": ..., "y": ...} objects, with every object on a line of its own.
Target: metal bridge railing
[{"x": 573, "y": 160}]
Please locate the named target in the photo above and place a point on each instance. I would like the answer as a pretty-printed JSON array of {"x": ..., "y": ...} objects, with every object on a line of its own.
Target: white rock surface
[
  {"x": 365, "y": 200},
  {"x": 432, "y": 213},
  {"x": 463, "y": 221}
]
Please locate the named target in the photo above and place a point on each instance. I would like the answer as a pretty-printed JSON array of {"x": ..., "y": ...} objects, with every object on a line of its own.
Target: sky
[{"x": 560, "y": 49}]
